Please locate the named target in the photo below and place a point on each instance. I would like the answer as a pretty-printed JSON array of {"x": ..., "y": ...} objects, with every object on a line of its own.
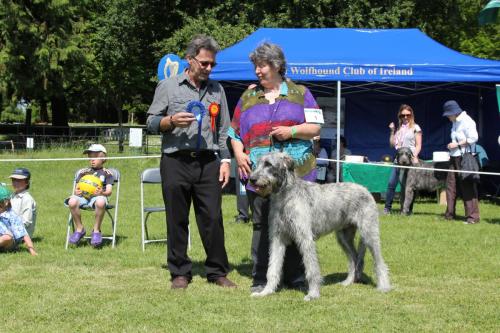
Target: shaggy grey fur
[
  {"x": 302, "y": 211},
  {"x": 413, "y": 180}
]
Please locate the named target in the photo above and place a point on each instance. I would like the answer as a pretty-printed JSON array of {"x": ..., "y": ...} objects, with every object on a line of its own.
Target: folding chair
[
  {"x": 151, "y": 176},
  {"x": 109, "y": 207}
]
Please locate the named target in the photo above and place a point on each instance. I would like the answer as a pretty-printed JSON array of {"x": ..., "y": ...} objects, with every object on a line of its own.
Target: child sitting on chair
[
  {"x": 98, "y": 200},
  {"x": 22, "y": 202},
  {"x": 12, "y": 231}
]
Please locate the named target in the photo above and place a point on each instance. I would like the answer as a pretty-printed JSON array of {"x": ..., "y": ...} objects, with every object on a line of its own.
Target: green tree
[
  {"x": 43, "y": 47},
  {"x": 96, "y": 60}
]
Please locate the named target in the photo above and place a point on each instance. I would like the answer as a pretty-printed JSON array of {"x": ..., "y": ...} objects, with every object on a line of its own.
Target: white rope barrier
[
  {"x": 384, "y": 165},
  {"x": 77, "y": 158},
  {"x": 387, "y": 165}
]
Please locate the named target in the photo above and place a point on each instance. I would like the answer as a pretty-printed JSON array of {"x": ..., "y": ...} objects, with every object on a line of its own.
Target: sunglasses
[
  {"x": 405, "y": 115},
  {"x": 205, "y": 63}
]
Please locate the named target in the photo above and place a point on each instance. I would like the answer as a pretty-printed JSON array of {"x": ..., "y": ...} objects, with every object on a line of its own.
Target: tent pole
[{"x": 337, "y": 171}]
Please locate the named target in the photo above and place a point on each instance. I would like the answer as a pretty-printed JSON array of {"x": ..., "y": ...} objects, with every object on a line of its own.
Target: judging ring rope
[{"x": 384, "y": 165}]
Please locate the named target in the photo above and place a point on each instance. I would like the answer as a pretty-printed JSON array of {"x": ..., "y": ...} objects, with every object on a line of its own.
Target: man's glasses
[
  {"x": 205, "y": 63},
  {"x": 405, "y": 115}
]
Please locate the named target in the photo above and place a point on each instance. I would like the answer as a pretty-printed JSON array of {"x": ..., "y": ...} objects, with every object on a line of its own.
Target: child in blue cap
[
  {"x": 12, "y": 231},
  {"x": 22, "y": 202}
]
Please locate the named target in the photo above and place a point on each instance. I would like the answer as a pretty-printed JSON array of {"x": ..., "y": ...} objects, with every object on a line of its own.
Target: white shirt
[
  {"x": 24, "y": 206},
  {"x": 463, "y": 128}
]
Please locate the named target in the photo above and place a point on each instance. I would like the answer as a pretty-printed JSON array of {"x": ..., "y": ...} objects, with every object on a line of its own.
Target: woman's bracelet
[{"x": 294, "y": 131}]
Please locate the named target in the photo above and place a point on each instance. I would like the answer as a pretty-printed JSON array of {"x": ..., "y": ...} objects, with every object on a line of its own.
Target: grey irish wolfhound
[
  {"x": 414, "y": 180},
  {"x": 302, "y": 211}
]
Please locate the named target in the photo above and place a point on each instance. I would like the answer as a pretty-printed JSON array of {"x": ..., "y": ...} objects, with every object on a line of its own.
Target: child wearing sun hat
[{"x": 97, "y": 200}]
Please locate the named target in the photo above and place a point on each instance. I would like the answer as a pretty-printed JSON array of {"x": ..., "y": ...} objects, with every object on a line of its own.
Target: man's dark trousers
[{"x": 186, "y": 178}]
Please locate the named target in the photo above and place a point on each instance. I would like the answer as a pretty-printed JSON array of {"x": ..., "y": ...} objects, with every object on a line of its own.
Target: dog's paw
[
  {"x": 347, "y": 282},
  {"x": 310, "y": 297},
  {"x": 262, "y": 293},
  {"x": 384, "y": 289}
]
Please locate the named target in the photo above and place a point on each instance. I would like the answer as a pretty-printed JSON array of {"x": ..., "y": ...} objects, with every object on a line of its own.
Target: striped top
[{"x": 254, "y": 119}]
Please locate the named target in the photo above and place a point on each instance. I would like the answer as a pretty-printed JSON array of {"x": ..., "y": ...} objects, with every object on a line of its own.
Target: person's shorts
[{"x": 87, "y": 202}]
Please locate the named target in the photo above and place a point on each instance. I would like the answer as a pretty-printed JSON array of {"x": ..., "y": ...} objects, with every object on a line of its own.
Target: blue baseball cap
[{"x": 20, "y": 173}]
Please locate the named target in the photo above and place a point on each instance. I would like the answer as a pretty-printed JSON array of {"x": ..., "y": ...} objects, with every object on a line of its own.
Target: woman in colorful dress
[{"x": 272, "y": 116}]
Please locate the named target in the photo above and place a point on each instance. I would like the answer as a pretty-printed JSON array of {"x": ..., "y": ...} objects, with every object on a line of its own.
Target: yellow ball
[
  {"x": 88, "y": 184},
  {"x": 387, "y": 159}
]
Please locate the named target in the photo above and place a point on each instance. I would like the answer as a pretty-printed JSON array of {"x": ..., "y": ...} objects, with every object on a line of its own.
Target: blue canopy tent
[
  {"x": 338, "y": 54},
  {"x": 376, "y": 70}
]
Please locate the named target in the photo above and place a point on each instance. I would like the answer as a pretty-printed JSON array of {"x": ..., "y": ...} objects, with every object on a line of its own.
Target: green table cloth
[{"x": 373, "y": 177}]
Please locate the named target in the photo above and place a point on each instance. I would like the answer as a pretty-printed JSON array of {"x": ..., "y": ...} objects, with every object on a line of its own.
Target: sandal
[{"x": 77, "y": 236}]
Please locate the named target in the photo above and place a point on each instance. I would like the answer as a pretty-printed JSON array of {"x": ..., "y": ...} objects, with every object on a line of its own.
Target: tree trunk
[
  {"x": 27, "y": 120},
  {"x": 118, "y": 107},
  {"x": 59, "y": 111},
  {"x": 44, "y": 116}
]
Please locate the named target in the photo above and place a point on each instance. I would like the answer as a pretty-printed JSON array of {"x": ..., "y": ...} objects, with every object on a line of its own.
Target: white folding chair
[
  {"x": 109, "y": 207},
  {"x": 151, "y": 176}
]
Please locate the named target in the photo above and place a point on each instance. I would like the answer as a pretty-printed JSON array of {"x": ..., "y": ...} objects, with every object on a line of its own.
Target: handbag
[{"x": 469, "y": 163}]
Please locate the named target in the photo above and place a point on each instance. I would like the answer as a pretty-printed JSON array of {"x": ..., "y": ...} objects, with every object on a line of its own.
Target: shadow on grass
[
  {"x": 37, "y": 239},
  {"x": 336, "y": 278},
  {"x": 458, "y": 218},
  {"x": 244, "y": 268},
  {"x": 492, "y": 221},
  {"x": 197, "y": 269}
]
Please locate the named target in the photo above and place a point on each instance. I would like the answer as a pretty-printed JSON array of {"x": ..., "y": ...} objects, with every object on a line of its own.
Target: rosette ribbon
[
  {"x": 198, "y": 110},
  {"x": 213, "y": 110}
]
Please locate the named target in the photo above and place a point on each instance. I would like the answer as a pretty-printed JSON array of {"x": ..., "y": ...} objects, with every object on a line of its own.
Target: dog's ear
[{"x": 289, "y": 162}]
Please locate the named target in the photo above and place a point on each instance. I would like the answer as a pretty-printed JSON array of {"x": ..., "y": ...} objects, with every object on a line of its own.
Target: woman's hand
[
  {"x": 452, "y": 145},
  {"x": 243, "y": 161},
  {"x": 282, "y": 133},
  {"x": 392, "y": 126}
]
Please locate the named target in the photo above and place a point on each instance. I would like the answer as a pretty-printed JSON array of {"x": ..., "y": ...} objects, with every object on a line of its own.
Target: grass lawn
[{"x": 446, "y": 275}]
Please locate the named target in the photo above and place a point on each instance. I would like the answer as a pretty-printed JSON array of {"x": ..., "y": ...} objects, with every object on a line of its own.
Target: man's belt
[{"x": 193, "y": 153}]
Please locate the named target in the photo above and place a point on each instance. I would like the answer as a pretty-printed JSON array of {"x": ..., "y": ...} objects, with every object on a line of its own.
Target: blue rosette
[{"x": 198, "y": 110}]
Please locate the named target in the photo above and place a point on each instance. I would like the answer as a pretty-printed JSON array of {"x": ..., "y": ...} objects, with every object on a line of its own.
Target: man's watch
[{"x": 226, "y": 160}]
